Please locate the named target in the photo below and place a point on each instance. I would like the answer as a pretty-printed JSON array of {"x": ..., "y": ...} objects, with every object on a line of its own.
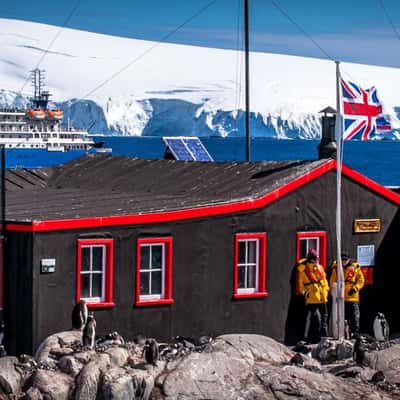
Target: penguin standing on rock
[
  {"x": 381, "y": 328},
  {"x": 151, "y": 351},
  {"x": 359, "y": 351},
  {"x": 79, "y": 315},
  {"x": 89, "y": 332}
]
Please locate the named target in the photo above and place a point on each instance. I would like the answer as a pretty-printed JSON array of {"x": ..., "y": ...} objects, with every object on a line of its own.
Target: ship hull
[{"x": 40, "y": 158}]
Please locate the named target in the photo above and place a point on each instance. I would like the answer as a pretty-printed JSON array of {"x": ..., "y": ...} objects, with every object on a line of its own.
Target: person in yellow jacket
[
  {"x": 312, "y": 283},
  {"x": 353, "y": 283}
]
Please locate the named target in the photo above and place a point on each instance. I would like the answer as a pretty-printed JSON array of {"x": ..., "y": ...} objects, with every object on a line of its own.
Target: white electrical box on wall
[{"x": 47, "y": 265}]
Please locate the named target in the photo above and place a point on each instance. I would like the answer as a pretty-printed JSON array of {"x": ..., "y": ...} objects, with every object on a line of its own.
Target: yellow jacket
[
  {"x": 353, "y": 279},
  {"x": 312, "y": 282}
]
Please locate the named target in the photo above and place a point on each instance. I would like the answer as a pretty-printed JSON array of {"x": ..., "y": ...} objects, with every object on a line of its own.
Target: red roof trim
[{"x": 208, "y": 211}]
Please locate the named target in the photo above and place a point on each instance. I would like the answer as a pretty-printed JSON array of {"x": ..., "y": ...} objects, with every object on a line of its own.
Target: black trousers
[
  {"x": 352, "y": 315},
  {"x": 318, "y": 322}
]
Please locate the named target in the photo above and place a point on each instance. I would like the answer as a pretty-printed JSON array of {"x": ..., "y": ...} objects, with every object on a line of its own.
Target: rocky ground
[{"x": 229, "y": 367}]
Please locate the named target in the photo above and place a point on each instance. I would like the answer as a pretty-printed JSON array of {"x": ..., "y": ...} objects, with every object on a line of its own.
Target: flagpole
[{"x": 338, "y": 304}]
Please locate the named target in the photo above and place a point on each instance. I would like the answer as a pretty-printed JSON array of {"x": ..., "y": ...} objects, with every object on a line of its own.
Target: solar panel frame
[{"x": 187, "y": 148}]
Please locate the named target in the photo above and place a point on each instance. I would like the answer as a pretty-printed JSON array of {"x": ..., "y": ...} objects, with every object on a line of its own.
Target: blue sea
[{"x": 378, "y": 160}]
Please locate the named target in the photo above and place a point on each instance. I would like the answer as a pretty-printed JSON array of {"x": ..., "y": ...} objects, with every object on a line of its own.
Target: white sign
[{"x": 366, "y": 255}]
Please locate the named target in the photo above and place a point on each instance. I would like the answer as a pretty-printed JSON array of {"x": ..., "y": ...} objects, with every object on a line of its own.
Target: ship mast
[{"x": 247, "y": 80}]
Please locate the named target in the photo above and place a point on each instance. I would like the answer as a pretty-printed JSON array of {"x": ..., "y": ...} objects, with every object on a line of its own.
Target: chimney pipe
[{"x": 327, "y": 146}]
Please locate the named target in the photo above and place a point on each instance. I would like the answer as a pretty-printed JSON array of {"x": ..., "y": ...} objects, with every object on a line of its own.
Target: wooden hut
[{"x": 165, "y": 247}]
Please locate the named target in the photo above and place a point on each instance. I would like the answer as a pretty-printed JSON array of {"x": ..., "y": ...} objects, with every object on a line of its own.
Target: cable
[
  {"x": 282, "y": 11},
  {"x": 163, "y": 39},
  {"x": 389, "y": 19},
  {"x": 54, "y": 39}
]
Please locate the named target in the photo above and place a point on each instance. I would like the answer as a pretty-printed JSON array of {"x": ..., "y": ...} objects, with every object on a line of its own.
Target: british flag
[{"x": 362, "y": 113}]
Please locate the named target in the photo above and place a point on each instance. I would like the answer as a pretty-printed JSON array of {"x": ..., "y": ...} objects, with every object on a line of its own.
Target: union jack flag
[{"x": 362, "y": 113}]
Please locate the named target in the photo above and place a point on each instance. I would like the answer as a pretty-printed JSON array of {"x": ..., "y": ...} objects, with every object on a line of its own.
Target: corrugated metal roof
[{"x": 100, "y": 185}]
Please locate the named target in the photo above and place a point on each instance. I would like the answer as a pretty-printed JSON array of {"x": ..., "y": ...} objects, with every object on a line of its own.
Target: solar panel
[{"x": 187, "y": 148}]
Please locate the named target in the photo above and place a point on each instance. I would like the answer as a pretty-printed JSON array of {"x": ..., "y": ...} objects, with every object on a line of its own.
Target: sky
[{"x": 361, "y": 31}]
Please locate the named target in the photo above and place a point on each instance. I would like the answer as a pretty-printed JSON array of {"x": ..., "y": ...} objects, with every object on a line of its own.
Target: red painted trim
[
  {"x": 168, "y": 241},
  {"x": 262, "y": 273},
  {"x": 109, "y": 273},
  {"x": 323, "y": 241},
  {"x": 208, "y": 211},
  {"x": 100, "y": 305},
  {"x": 257, "y": 295},
  {"x": 158, "y": 302}
]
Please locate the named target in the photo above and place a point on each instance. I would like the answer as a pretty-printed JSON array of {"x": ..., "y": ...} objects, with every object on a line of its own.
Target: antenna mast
[{"x": 247, "y": 85}]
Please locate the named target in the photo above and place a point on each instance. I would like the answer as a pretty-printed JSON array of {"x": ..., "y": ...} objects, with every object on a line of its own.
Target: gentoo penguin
[
  {"x": 89, "y": 332},
  {"x": 359, "y": 351},
  {"x": 150, "y": 351},
  {"x": 79, "y": 315},
  {"x": 297, "y": 359},
  {"x": 381, "y": 328}
]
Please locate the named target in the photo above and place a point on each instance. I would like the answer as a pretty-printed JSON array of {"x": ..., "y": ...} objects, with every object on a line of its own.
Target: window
[
  {"x": 154, "y": 271},
  {"x": 312, "y": 240},
  {"x": 95, "y": 272},
  {"x": 250, "y": 265}
]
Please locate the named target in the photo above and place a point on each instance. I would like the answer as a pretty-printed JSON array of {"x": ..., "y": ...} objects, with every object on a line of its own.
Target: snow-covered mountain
[{"x": 114, "y": 85}]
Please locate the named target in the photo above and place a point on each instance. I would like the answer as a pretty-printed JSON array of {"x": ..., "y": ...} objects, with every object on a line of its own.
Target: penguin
[
  {"x": 301, "y": 347},
  {"x": 151, "y": 352},
  {"x": 3, "y": 352},
  {"x": 359, "y": 351},
  {"x": 297, "y": 359},
  {"x": 79, "y": 315},
  {"x": 378, "y": 377},
  {"x": 89, "y": 332},
  {"x": 381, "y": 328}
]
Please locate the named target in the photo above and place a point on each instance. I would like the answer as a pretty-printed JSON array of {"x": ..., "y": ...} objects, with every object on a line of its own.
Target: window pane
[
  {"x": 144, "y": 283},
  {"x": 313, "y": 244},
  {"x": 303, "y": 248},
  {"x": 252, "y": 252},
  {"x": 144, "y": 257},
  {"x": 97, "y": 262},
  {"x": 156, "y": 256},
  {"x": 85, "y": 285},
  {"x": 241, "y": 277},
  {"x": 97, "y": 285},
  {"x": 85, "y": 263},
  {"x": 156, "y": 282},
  {"x": 242, "y": 252},
  {"x": 251, "y": 276}
]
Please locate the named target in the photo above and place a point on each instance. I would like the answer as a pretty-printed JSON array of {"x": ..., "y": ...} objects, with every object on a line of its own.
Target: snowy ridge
[{"x": 176, "y": 89}]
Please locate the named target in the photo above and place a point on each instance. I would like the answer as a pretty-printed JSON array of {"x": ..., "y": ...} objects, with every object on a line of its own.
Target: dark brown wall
[
  {"x": 18, "y": 308},
  {"x": 203, "y": 266}
]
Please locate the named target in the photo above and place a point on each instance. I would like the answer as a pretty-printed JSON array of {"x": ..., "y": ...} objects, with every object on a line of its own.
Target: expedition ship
[{"x": 34, "y": 137}]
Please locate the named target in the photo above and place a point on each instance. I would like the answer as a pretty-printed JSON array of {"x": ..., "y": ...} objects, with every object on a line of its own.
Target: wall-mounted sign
[
  {"x": 367, "y": 225},
  {"x": 47, "y": 265},
  {"x": 366, "y": 255}
]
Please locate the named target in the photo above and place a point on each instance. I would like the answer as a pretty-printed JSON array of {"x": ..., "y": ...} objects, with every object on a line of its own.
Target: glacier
[{"x": 117, "y": 86}]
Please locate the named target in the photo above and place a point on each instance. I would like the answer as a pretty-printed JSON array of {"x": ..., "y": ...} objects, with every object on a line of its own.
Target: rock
[
  {"x": 10, "y": 379},
  {"x": 329, "y": 350},
  {"x": 54, "y": 342},
  {"x": 53, "y": 385},
  {"x": 250, "y": 367},
  {"x": 118, "y": 356},
  {"x": 127, "y": 384},
  {"x": 70, "y": 365},
  {"x": 32, "y": 393},
  {"x": 87, "y": 382},
  {"x": 387, "y": 361}
]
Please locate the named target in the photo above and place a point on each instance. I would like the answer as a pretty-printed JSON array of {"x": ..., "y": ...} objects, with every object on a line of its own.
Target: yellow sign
[{"x": 367, "y": 225}]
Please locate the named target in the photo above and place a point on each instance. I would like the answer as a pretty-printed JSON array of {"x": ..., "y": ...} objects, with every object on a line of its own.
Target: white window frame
[
  {"x": 247, "y": 264},
  {"x": 308, "y": 239},
  {"x": 91, "y": 272},
  {"x": 145, "y": 297}
]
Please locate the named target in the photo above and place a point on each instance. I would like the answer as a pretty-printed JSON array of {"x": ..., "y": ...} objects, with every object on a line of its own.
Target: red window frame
[
  {"x": 168, "y": 257},
  {"x": 109, "y": 272},
  {"x": 262, "y": 267},
  {"x": 322, "y": 244}
]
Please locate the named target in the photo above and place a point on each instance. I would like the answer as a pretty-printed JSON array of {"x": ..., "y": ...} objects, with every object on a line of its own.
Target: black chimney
[{"x": 327, "y": 146}]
